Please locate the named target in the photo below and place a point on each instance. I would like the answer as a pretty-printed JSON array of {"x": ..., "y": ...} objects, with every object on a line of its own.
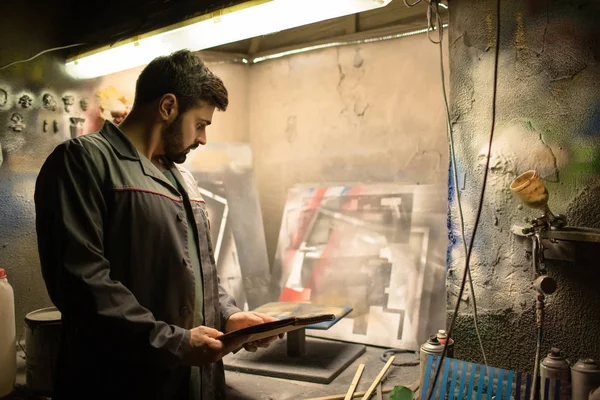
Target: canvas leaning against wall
[
  {"x": 379, "y": 248},
  {"x": 225, "y": 177}
]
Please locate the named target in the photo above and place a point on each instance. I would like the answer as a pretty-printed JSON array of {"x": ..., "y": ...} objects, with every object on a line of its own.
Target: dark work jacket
[{"x": 113, "y": 244}]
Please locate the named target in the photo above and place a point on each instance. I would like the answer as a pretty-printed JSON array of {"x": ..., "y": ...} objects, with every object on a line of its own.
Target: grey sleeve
[
  {"x": 70, "y": 215},
  {"x": 228, "y": 305}
]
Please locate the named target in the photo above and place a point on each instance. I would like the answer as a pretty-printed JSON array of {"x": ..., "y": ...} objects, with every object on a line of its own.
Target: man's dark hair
[{"x": 184, "y": 75}]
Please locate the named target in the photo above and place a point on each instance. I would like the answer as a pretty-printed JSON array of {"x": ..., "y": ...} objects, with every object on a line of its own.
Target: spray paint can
[
  {"x": 442, "y": 338},
  {"x": 595, "y": 395},
  {"x": 585, "y": 377},
  {"x": 555, "y": 367},
  {"x": 433, "y": 347}
]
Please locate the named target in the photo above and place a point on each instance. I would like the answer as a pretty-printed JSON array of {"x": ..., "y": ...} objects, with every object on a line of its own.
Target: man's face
[{"x": 187, "y": 132}]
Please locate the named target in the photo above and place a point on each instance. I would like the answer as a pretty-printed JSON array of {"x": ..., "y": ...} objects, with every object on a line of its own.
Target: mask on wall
[
  {"x": 113, "y": 105},
  {"x": 17, "y": 122},
  {"x": 25, "y": 101},
  {"x": 48, "y": 102},
  {"x": 68, "y": 100},
  {"x": 3, "y": 97}
]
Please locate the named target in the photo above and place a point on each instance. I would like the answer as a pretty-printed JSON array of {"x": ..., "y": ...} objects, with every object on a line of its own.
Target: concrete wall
[
  {"x": 361, "y": 113},
  {"x": 548, "y": 119},
  {"x": 231, "y": 126},
  {"x": 25, "y": 33}
]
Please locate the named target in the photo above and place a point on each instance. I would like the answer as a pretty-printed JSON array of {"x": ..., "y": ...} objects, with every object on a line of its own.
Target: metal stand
[
  {"x": 299, "y": 358},
  {"x": 296, "y": 343}
]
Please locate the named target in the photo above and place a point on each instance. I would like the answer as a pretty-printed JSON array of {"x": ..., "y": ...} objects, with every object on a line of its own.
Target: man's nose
[{"x": 201, "y": 139}]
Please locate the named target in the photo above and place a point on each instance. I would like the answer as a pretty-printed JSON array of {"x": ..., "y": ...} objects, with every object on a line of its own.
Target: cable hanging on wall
[
  {"x": 434, "y": 24},
  {"x": 39, "y": 54}
]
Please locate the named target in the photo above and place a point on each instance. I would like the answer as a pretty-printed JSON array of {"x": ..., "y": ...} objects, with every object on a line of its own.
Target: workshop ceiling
[{"x": 113, "y": 20}]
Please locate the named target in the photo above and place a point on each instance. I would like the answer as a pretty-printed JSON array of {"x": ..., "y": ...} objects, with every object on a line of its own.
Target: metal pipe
[
  {"x": 537, "y": 253},
  {"x": 536, "y": 369}
]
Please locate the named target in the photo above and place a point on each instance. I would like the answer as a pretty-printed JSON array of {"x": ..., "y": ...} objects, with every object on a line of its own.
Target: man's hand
[
  {"x": 206, "y": 349},
  {"x": 241, "y": 320}
]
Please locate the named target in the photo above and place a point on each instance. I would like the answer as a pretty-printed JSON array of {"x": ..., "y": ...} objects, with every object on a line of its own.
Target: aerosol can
[
  {"x": 442, "y": 338},
  {"x": 585, "y": 377},
  {"x": 434, "y": 347},
  {"x": 555, "y": 367},
  {"x": 595, "y": 395}
]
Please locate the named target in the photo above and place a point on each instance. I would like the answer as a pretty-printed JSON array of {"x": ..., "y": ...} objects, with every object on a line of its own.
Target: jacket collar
[
  {"x": 119, "y": 141},
  {"x": 124, "y": 148}
]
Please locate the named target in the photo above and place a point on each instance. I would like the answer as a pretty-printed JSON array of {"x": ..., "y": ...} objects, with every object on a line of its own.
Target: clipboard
[{"x": 274, "y": 328}]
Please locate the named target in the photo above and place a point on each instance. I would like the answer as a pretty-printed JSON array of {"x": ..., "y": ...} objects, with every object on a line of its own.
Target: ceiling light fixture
[{"x": 244, "y": 21}]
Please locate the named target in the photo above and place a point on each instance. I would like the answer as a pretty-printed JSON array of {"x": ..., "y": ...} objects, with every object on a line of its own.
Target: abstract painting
[{"x": 378, "y": 248}]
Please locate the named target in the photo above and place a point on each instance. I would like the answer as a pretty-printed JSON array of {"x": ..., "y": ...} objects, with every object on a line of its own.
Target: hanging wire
[
  {"x": 434, "y": 23},
  {"x": 39, "y": 54},
  {"x": 480, "y": 205},
  {"x": 450, "y": 134}
]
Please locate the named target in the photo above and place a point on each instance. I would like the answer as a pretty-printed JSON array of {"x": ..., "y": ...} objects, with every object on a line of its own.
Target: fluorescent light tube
[{"x": 247, "y": 20}]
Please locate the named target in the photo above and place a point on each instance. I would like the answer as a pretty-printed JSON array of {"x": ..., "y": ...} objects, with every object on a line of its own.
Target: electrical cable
[
  {"x": 480, "y": 205},
  {"x": 433, "y": 10},
  {"x": 434, "y": 21},
  {"x": 389, "y": 352},
  {"x": 450, "y": 135},
  {"x": 407, "y": 4},
  {"x": 41, "y": 53}
]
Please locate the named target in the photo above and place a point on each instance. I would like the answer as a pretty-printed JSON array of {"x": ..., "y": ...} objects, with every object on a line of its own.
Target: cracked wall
[
  {"x": 548, "y": 120},
  {"x": 360, "y": 113}
]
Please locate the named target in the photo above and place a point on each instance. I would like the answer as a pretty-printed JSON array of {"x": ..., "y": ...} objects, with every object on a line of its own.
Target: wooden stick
[
  {"x": 354, "y": 383},
  {"x": 342, "y": 396},
  {"x": 387, "y": 365}
]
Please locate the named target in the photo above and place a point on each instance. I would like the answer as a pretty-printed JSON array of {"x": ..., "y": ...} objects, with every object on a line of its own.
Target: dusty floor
[{"x": 253, "y": 387}]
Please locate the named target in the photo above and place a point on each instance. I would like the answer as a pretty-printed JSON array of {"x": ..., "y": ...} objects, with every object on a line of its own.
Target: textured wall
[
  {"x": 548, "y": 119},
  {"x": 362, "y": 113},
  {"x": 24, "y": 34},
  {"x": 365, "y": 113}
]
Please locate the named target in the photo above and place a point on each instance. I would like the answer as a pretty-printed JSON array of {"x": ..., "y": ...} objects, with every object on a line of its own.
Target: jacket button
[
  {"x": 183, "y": 311},
  {"x": 180, "y": 216}
]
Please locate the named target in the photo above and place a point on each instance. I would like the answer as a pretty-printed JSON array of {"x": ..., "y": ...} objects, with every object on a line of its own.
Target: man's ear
[{"x": 167, "y": 107}]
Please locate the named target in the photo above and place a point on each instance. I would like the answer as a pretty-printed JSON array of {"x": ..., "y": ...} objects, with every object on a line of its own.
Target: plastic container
[{"x": 8, "y": 337}]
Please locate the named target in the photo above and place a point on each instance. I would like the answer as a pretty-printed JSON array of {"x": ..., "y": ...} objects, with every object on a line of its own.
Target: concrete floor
[{"x": 253, "y": 387}]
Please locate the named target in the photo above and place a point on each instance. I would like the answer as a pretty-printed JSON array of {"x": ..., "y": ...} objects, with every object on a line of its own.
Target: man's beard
[{"x": 173, "y": 143}]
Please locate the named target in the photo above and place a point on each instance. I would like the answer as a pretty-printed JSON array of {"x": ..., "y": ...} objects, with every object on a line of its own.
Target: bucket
[{"x": 42, "y": 336}]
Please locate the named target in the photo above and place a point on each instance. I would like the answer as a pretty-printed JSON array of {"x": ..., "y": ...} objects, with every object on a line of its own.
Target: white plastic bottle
[{"x": 8, "y": 337}]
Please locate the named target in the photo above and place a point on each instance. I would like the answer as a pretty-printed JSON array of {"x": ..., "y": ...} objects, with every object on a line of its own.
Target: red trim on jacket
[{"x": 151, "y": 192}]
